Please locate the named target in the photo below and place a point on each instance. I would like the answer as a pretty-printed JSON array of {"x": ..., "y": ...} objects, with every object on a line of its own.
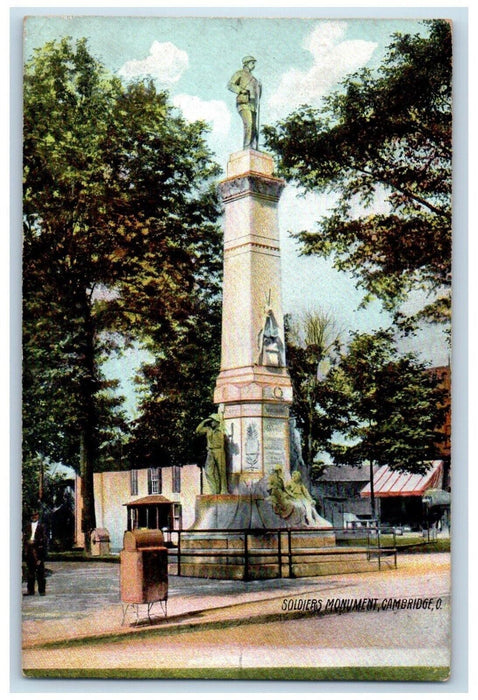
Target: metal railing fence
[{"x": 280, "y": 548}]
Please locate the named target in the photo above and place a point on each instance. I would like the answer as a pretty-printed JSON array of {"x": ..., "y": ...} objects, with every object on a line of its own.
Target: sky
[{"x": 299, "y": 60}]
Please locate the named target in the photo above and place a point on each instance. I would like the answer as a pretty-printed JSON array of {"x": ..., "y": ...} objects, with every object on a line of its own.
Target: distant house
[
  {"x": 157, "y": 497},
  {"x": 337, "y": 492},
  {"x": 400, "y": 497}
]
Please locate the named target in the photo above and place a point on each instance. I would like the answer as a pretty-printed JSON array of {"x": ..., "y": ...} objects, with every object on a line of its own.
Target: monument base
[
  {"x": 240, "y": 537},
  {"x": 246, "y": 512}
]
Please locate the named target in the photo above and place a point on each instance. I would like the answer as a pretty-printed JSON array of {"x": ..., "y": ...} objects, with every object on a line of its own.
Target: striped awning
[{"x": 389, "y": 482}]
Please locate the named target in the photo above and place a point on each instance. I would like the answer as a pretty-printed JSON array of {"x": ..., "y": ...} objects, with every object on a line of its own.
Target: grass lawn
[
  {"x": 406, "y": 543},
  {"x": 347, "y": 673}
]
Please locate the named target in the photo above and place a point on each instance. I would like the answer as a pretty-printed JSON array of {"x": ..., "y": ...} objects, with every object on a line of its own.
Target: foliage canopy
[
  {"x": 120, "y": 245},
  {"x": 362, "y": 402},
  {"x": 387, "y": 135},
  {"x": 393, "y": 404}
]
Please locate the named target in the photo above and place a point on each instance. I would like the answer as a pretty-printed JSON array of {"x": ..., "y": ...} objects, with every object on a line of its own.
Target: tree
[
  {"x": 386, "y": 133},
  {"x": 313, "y": 342},
  {"x": 393, "y": 406},
  {"x": 178, "y": 388},
  {"x": 119, "y": 215}
]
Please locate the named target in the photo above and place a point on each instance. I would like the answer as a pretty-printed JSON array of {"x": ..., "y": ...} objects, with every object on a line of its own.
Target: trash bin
[
  {"x": 100, "y": 542},
  {"x": 144, "y": 568}
]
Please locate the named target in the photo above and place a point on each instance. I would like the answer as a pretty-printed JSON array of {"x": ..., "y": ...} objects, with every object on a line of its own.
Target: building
[
  {"x": 337, "y": 492},
  {"x": 157, "y": 497},
  {"x": 402, "y": 496},
  {"x": 398, "y": 495},
  {"x": 443, "y": 375}
]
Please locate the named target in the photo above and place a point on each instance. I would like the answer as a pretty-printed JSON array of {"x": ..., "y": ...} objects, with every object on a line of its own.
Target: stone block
[{"x": 249, "y": 160}]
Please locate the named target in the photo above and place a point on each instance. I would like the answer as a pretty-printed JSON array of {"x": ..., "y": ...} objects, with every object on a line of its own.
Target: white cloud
[
  {"x": 214, "y": 112},
  {"x": 165, "y": 63},
  {"x": 333, "y": 60}
]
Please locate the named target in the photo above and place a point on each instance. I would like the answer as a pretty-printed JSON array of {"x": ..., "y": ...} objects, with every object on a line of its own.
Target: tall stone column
[{"x": 253, "y": 389}]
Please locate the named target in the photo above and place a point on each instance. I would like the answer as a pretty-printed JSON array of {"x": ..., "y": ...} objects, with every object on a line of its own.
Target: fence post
[
  {"x": 289, "y": 552},
  {"x": 279, "y": 553},
  {"x": 179, "y": 553},
  {"x": 246, "y": 558}
]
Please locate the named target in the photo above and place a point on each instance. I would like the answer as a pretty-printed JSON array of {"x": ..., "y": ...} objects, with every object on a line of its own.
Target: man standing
[
  {"x": 34, "y": 551},
  {"x": 248, "y": 90}
]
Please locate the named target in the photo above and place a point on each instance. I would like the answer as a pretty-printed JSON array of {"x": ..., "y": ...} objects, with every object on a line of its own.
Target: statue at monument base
[
  {"x": 292, "y": 501},
  {"x": 266, "y": 502},
  {"x": 215, "y": 467}
]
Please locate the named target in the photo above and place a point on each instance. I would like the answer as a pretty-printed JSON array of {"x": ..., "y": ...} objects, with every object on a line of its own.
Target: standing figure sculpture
[
  {"x": 248, "y": 90},
  {"x": 215, "y": 467}
]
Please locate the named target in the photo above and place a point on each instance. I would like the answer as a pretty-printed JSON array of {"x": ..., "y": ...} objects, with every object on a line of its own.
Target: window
[
  {"x": 133, "y": 480},
  {"x": 176, "y": 479},
  {"x": 154, "y": 480},
  {"x": 176, "y": 516}
]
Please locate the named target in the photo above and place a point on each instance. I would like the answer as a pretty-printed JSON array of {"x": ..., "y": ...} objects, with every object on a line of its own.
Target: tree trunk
[
  {"x": 88, "y": 437},
  {"x": 372, "y": 491},
  {"x": 88, "y": 518}
]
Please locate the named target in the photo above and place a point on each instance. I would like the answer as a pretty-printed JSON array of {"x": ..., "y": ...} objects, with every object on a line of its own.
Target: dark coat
[{"x": 36, "y": 550}]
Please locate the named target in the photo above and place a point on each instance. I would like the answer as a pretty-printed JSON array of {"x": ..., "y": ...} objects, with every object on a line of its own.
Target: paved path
[{"x": 240, "y": 624}]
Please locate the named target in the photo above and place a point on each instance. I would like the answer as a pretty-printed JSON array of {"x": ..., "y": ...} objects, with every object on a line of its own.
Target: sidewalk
[{"x": 82, "y": 602}]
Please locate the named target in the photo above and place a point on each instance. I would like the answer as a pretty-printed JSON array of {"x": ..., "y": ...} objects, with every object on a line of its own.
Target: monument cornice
[
  {"x": 251, "y": 183},
  {"x": 252, "y": 244}
]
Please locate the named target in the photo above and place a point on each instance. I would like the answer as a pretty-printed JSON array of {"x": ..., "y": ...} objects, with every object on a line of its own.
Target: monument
[
  {"x": 249, "y": 437},
  {"x": 249, "y": 485}
]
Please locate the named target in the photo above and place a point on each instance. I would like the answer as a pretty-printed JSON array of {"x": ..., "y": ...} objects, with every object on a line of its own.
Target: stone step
[
  {"x": 235, "y": 571},
  {"x": 229, "y": 564}
]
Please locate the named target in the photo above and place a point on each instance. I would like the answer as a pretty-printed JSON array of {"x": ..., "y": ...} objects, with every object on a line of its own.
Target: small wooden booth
[{"x": 151, "y": 512}]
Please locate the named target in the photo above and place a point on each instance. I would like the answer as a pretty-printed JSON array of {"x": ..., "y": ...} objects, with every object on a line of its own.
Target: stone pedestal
[
  {"x": 245, "y": 532},
  {"x": 253, "y": 388},
  {"x": 245, "y": 511}
]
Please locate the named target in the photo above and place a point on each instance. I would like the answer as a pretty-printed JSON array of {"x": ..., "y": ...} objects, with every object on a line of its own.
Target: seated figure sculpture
[
  {"x": 292, "y": 500},
  {"x": 281, "y": 504}
]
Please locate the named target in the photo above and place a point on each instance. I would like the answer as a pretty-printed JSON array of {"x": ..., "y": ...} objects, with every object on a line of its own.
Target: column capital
[{"x": 250, "y": 183}]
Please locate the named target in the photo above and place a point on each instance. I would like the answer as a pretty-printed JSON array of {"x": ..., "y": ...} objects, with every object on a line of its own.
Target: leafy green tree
[
  {"x": 313, "y": 342},
  {"x": 393, "y": 408},
  {"x": 386, "y": 133},
  {"x": 177, "y": 389},
  {"x": 119, "y": 212}
]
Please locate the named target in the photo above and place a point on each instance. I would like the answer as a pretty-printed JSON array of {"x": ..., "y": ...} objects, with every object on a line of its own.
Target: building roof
[
  {"x": 390, "y": 482},
  {"x": 149, "y": 501},
  {"x": 345, "y": 473}
]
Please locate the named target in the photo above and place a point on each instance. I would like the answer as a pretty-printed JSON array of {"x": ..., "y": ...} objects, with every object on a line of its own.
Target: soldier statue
[
  {"x": 248, "y": 90},
  {"x": 215, "y": 467}
]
